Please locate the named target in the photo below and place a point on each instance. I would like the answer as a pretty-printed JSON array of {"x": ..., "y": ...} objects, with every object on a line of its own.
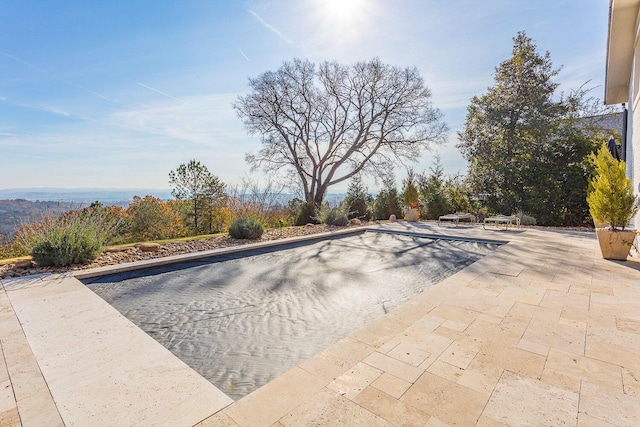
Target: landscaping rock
[
  {"x": 392, "y": 218},
  {"x": 149, "y": 247},
  {"x": 119, "y": 249},
  {"x": 23, "y": 263},
  {"x": 355, "y": 221}
]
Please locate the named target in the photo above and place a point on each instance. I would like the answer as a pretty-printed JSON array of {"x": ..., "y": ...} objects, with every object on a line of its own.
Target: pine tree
[
  {"x": 525, "y": 148},
  {"x": 387, "y": 202},
  {"x": 202, "y": 191},
  {"x": 356, "y": 199}
]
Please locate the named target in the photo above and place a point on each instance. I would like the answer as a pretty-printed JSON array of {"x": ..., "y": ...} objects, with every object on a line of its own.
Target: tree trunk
[
  {"x": 319, "y": 195},
  {"x": 195, "y": 214}
]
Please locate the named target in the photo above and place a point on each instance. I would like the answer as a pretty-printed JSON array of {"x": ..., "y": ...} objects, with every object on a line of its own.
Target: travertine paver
[
  {"x": 390, "y": 409},
  {"x": 26, "y": 398},
  {"x": 628, "y": 325},
  {"x": 541, "y": 332},
  {"x": 631, "y": 381},
  {"x": 99, "y": 368},
  {"x": 605, "y": 404},
  {"x": 393, "y": 366},
  {"x": 554, "y": 334},
  {"x": 462, "y": 351},
  {"x": 449, "y": 402},
  {"x": 391, "y": 385},
  {"x": 352, "y": 382},
  {"x": 9, "y": 415},
  {"x": 568, "y": 370},
  {"x": 268, "y": 404},
  {"x": 337, "y": 359},
  {"x": 485, "y": 370},
  {"x": 520, "y": 401},
  {"x": 413, "y": 354},
  {"x": 219, "y": 419},
  {"x": 614, "y": 336},
  {"x": 328, "y": 409}
]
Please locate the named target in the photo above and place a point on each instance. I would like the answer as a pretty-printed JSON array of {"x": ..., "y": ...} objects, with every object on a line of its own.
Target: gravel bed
[{"x": 131, "y": 254}]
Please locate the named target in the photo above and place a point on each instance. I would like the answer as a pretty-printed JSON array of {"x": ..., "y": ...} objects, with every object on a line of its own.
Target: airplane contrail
[
  {"x": 243, "y": 54},
  {"x": 269, "y": 26},
  {"x": 22, "y": 61},
  {"x": 159, "y": 91}
]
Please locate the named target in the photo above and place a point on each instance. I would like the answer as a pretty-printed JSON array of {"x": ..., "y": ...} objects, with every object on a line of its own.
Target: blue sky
[{"x": 115, "y": 94}]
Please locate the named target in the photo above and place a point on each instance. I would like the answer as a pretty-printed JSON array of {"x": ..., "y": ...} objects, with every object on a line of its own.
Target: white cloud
[
  {"x": 146, "y": 142},
  {"x": 203, "y": 120}
]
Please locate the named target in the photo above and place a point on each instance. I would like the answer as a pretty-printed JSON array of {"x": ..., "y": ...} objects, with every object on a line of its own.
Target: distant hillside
[
  {"x": 20, "y": 205},
  {"x": 19, "y": 211},
  {"x": 85, "y": 196},
  {"x": 23, "y": 205}
]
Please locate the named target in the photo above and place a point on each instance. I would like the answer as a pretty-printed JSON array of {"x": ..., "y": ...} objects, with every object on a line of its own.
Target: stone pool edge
[{"x": 174, "y": 259}]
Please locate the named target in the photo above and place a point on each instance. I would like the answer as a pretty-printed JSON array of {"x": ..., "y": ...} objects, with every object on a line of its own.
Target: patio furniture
[
  {"x": 455, "y": 218},
  {"x": 502, "y": 219}
]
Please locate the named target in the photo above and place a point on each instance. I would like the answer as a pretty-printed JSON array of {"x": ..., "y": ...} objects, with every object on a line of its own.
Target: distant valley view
[{"x": 23, "y": 205}]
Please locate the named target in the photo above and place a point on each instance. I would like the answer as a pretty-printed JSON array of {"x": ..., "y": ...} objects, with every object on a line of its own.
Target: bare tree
[
  {"x": 330, "y": 123},
  {"x": 254, "y": 198}
]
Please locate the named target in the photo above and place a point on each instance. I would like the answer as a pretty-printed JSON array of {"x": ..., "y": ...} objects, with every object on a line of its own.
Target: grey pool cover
[{"x": 243, "y": 320}]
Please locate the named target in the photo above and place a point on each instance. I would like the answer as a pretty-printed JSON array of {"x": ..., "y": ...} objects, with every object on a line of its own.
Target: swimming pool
[{"x": 243, "y": 319}]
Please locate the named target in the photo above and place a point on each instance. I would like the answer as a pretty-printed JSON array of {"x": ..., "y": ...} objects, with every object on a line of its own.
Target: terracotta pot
[
  {"x": 412, "y": 214},
  {"x": 615, "y": 244}
]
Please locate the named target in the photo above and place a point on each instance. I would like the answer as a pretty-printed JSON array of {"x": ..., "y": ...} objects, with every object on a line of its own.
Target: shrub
[
  {"x": 77, "y": 237},
  {"x": 153, "y": 219},
  {"x": 9, "y": 248},
  {"x": 387, "y": 202},
  {"x": 611, "y": 199},
  {"x": 307, "y": 213},
  {"x": 334, "y": 216},
  {"x": 246, "y": 228},
  {"x": 526, "y": 219},
  {"x": 410, "y": 195},
  {"x": 357, "y": 200}
]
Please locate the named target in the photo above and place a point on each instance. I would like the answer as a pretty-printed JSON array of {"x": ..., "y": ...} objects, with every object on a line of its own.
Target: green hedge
[{"x": 246, "y": 228}]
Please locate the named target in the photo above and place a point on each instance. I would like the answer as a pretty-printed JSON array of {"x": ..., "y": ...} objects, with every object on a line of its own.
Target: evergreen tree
[
  {"x": 432, "y": 192},
  {"x": 202, "y": 191},
  {"x": 387, "y": 202},
  {"x": 526, "y": 149},
  {"x": 457, "y": 194},
  {"x": 356, "y": 199}
]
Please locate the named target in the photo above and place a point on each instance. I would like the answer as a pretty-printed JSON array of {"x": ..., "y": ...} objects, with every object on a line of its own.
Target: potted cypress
[
  {"x": 411, "y": 197},
  {"x": 611, "y": 200}
]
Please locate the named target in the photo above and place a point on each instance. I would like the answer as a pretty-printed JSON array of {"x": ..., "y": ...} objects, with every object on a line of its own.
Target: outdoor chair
[
  {"x": 502, "y": 219},
  {"x": 456, "y": 218}
]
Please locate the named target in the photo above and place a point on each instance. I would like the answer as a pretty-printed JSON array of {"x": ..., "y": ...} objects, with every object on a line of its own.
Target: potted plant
[
  {"x": 611, "y": 201},
  {"x": 411, "y": 197}
]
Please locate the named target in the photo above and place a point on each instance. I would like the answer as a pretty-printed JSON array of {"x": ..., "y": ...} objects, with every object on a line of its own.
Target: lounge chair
[
  {"x": 502, "y": 219},
  {"x": 455, "y": 218}
]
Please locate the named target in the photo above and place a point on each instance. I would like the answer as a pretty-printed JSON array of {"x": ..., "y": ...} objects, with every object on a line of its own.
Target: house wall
[{"x": 633, "y": 120}]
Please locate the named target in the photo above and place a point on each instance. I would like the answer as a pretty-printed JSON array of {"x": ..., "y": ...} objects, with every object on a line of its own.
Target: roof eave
[{"x": 623, "y": 15}]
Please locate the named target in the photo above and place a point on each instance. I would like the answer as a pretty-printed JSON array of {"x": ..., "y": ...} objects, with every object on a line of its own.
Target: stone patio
[{"x": 541, "y": 332}]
